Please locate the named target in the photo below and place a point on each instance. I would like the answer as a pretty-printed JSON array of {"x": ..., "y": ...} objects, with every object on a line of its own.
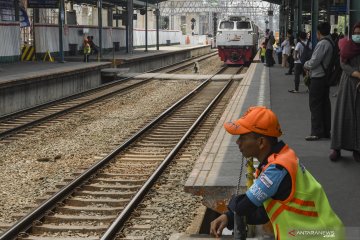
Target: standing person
[
  {"x": 279, "y": 52},
  {"x": 291, "y": 55},
  {"x": 319, "y": 101},
  {"x": 284, "y": 191},
  {"x": 262, "y": 52},
  {"x": 269, "y": 50},
  {"x": 291, "y": 61},
  {"x": 303, "y": 46},
  {"x": 335, "y": 36},
  {"x": 286, "y": 51},
  {"x": 87, "y": 51},
  {"x": 93, "y": 46},
  {"x": 346, "y": 124}
]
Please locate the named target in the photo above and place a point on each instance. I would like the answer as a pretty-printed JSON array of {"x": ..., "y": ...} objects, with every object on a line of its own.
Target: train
[{"x": 237, "y": 40}]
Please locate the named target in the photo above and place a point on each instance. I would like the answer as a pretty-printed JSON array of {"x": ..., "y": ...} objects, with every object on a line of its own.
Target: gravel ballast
[{"x": 32, "y": 165}]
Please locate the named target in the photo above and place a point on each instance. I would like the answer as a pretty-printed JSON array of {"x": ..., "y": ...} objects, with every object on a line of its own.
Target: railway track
[
  {"x": 111, "y": 189},
  {"x": 13, "y": 124},
  {"x": 167, "y": 208}
]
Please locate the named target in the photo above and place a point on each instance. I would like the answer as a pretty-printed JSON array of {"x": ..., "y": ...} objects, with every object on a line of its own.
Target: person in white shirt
[
  {"x": 299, "y": 50},
  {"x": 286, "y": 49}
]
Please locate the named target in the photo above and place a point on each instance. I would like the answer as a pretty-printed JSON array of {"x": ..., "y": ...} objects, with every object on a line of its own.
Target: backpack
[
  {"x": 307, "y": 52},
  {"x": 333, "y": 71}
]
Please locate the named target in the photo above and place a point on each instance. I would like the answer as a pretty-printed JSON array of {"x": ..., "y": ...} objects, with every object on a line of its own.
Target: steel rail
[
  {"x": 131, "y": 206},
  {"x": 8, "y": 132},
  {"x": 25, "y": 223}
]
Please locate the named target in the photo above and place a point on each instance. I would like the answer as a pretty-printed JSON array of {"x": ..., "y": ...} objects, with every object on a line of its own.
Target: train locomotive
[{"x": 236, "y": 40}]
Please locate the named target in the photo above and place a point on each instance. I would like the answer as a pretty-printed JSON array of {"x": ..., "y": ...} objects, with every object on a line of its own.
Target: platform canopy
[
  {"x": 119, "y": 3},
  {"x": 274, "y": 1}
]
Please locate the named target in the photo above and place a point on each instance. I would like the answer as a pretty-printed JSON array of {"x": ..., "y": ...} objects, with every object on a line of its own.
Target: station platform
[
  {"x": 23, "y": 70},
  {"x": 19, "y": 72},
  {"x": 141, "y": 61},
  {"x": 217, "y": 169},
  {"x": 27, "y": 84}
]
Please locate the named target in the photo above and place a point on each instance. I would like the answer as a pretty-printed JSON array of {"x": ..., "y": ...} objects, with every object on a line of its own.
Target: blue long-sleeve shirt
[{"x": 274, "y": 182}]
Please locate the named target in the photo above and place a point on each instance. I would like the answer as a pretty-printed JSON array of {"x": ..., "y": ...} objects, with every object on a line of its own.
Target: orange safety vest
[{"x": 306, "y": 212}]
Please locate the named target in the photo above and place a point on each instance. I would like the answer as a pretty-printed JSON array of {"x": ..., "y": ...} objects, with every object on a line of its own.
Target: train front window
[
  {"x": 243, "y": 25},
  {"x": 227, "y": 25}
]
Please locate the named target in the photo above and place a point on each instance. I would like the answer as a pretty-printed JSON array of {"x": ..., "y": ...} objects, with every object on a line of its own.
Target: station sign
[
  {"x": 117, "y": 16},
  {"x": 338, "y": 9},
  {"x": 43, "y": 4},
  {"x": 7, "y": 11},
  {"x": 124, "y": 18}
]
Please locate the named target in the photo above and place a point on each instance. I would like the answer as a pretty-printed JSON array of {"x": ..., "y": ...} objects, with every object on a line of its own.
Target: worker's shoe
[
  {"x": 356, "y": 156},
  {"x": 334, "y": 155}
]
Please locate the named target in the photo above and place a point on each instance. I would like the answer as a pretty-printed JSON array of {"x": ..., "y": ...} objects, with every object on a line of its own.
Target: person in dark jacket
[
  {"x": 93, "y": 46},
  {"x": 269, "y": 50},
  {"x": 346, "y": 122}
]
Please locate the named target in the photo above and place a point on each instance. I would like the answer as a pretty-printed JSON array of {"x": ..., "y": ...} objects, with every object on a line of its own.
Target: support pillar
[
  {"x": 117, "y": 19},
  {"x": 354, "y": 13},
  {"x": 171, "y": 17},
  {"x": 17, "y": 9},
  {"x": 210, "y": 26},
  {"x": 146, "y": 26},
  {"x": 61, "y": 27},
  {"x": 299, "y": 16},
  {"x": 327, "y": 8},
  {"x": 282, "y": 21},
  {"x": 314, "y": 20},
  {"x": 296, "y": 16},
  {"x": 292, "y": 15},
  {"x": 157, "y": 13},
  {"x": 271, "y": 24},
  {"x": 110, "y": 17},
  {"x": 36, "y": 15},
  {"x": 130, "y": 29},
  {"x": 100, "y": 28}
]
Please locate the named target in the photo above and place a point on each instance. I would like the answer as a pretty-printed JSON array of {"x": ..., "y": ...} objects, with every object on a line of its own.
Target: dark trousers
[
  {"x": 86, "y": 57},
  {"x": 320, "y": 107},
  {"x": 291, "y": 64},
  {"x": 298, "y": 71},
  {"x": 269, "y": 57},
  {"x": 279, "y": 56},
  {"x": 262, "y": 59}
]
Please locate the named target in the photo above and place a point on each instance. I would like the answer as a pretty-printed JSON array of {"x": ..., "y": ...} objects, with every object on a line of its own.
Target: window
[
  {"x": 227, "y": 25},
  {"x": 243, "y": 25}
]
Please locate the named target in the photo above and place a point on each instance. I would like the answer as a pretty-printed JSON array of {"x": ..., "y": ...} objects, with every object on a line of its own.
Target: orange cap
[{"x": 256, "y": 119}]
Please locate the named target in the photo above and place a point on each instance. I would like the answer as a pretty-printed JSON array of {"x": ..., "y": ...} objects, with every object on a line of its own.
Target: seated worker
[{"x": 284, "y": 192}]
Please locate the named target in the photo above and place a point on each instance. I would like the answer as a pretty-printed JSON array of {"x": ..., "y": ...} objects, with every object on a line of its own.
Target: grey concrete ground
[
  {"x": 340, "y": 179},
  {"x": 26, "y": 68}
]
